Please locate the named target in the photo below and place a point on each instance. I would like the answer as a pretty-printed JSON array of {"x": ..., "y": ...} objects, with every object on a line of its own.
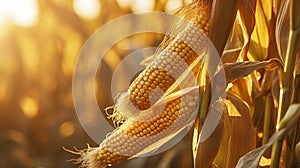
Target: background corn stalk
[{"x": 254, "y": 32}]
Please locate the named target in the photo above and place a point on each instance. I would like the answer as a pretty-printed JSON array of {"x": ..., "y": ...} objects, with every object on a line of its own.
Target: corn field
[{"x": 255, "y": 112}]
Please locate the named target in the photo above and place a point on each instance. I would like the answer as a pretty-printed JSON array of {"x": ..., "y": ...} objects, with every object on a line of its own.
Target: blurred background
[{"x": 39, "y": 44}]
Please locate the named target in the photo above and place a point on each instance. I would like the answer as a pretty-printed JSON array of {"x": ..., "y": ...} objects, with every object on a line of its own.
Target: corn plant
[{"x": 267, "y": 99}]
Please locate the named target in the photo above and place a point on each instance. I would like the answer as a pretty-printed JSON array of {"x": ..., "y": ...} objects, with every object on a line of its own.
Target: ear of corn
[
  {"x": 157, "y": 104},
  {"x": 168, "y": 66}
]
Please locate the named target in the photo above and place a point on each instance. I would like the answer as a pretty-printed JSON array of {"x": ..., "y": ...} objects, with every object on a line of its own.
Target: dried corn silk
[{"x": 163, "y": 99}]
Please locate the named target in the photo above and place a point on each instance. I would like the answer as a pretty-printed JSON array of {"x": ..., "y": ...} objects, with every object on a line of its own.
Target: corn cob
[
  {"x": 170, "y": 63},
  {"x": 134, "y": 136},
  {"x": 154, "y": 120}
]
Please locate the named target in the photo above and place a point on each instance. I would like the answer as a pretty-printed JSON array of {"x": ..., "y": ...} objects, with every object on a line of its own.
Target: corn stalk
[{"x": 287, "y": 88}]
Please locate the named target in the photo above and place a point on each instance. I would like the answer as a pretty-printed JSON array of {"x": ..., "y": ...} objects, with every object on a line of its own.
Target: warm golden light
[
  {"x": 265, "y": 161},
  {"x": 21, "y": 12},
  {"x": 260, "y": 135},
  {"x": 124, "y": 3},
  {"x": 70, "y": 53},
  {"x": 29, "y": 107},
  {"x": 142, "y": 5},
  {"x": 3, "y": 88},
  {"x": 66, "y": 129},
  {"x": 277, "y": 126},
  {"x": 188, "y": 1},
  {"x": 232, "y": 110},
  {"x": 88, "y": 9},
  {"x": 173, "y": 5}
]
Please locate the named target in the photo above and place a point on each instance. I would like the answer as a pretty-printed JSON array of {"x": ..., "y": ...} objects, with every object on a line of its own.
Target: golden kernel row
[
  {"x": 134, "y": 136},
  {"x": 169, "y": 64},
  {"x": 148, "y": 89}
]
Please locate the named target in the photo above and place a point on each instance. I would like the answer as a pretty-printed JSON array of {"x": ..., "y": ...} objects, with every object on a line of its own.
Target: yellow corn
[
  {"x": 160, "y": 73},
  {"x": 155, "y": 122}
]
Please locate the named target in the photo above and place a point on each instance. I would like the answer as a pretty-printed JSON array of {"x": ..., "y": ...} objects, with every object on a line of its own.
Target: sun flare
[{"x": 20, "y": 12}]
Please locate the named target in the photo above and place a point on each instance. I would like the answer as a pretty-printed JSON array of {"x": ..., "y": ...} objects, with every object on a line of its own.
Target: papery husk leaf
[
  {"x": 236, "y": 42},
  {"x": 297, "y": 151},
  {"x": 241, "y": 69},
  {"x": 246, "y": 9},
  {"x": 251, "y": 159},
  {"x": 209, "y": 142},
  {"x": 242, "y": 138},
  {"x": 247, "y": 19},
  {"x": 282, "y": 30},
  {"x": 231, "y": 55},
  {"x": 223, "y": 15},
  {"x": 295, "y": 15},
  {"x": 222, "y": 157},
  {"x": 238, "y": 70},
  {"x": 258, "y": 49},
  {"x": 239, "y": 135}
]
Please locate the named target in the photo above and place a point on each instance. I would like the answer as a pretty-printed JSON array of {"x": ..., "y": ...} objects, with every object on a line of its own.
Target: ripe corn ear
[{"x": 151, "y": 114}]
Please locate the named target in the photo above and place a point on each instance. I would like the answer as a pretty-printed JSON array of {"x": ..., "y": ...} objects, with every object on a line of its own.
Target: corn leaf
[
  {"x": 242, "y": 88},
  {"x": 223, "y": 157},
  {"x": 241, "y": 69},
  {"x": 246, "y": 9},
  {"x": 297, "y": 151},
  {"x": 210, "y": 136},
  {"x": 282, "y": 30},
  {"x": 236, "y": 42},
  {"x": 295, "y": 15},
  {"x": 251, "y": 159},
  {"x": 239, "y": 136},
  {"x": 247, "y": 21},
  {"x": 242, "y": 138},
  {"x": 231, "y": 55},
  {"x": 258, "y": 49},
  {"x": 223, "y": 15}
]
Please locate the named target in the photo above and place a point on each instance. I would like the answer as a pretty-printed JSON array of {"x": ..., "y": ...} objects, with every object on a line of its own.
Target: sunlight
[
  {"x": 173, "y": 5},
  {"x": 88, "y": 9},
  {"x": 264, "y": 161},
  {"x": 124, "y": 3},
  {"x": 29, "y": 107},
  {"x": 188, "y": 1},
  {"x": 20, "y": 12},
  {"x": 3, "y": 90},
  {"x": 66, "y": 129},
  {"x": 277, "y": 127},
  {"x": 232, "y": 110},
  {"x": 142, "y": 5}
]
